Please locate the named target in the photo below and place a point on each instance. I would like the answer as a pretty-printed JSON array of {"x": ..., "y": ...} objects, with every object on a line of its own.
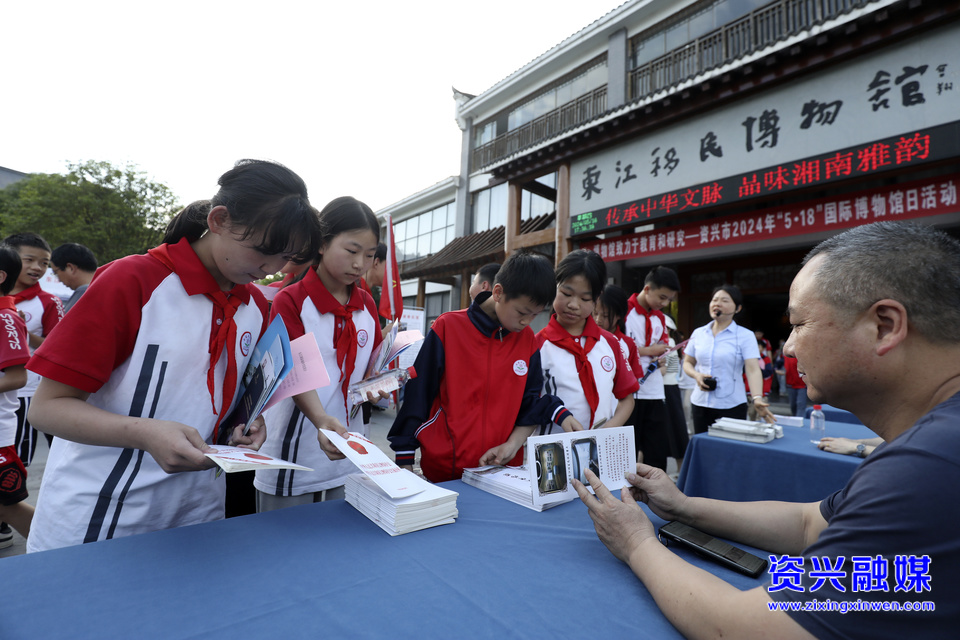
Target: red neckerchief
[
  {"x": 344, "y": 332},
  {"x": 562, "y": 338},
  {"x": 196, "y": 280},
  {"x": 7, "y": 302},
  {"x": 634, "y": 304},
  {"x": 27, "y": 294}
]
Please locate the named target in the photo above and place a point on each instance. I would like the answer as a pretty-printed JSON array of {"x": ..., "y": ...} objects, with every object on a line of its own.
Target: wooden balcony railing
[{"x": 759, "y": 29}]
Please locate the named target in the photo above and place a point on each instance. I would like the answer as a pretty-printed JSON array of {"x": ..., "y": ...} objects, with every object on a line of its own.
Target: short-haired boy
[
  {"x": 646, "y": 324},
  {"x": 476, "y": 396},
  {"x": 42, "y": 311},
  {"x": 483, "y": 279},
  {"x": 74, "y": 265},
  {"x": 13, "y": 356}
]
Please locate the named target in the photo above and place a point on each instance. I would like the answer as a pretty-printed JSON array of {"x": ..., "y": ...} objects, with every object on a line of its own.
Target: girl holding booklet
[
  {"x": 342, "y": 317},
  {"x": 137, "y": 381},
  {"x": 582, "y": 363}
]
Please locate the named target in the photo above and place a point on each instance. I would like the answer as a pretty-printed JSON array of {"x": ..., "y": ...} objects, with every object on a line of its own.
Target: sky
[{"x": 354, "y": 96}]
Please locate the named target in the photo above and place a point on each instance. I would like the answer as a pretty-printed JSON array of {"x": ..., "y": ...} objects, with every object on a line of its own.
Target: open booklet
[
  {"x": 551, "y": 461},
  {"x": 232, "y": 459},
  {"x": 394, "y": 343},
  {"x": 269, "y": 364}
]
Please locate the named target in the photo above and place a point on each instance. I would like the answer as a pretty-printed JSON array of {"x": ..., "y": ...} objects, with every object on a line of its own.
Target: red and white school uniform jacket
[
  {"x": 629, "y": 349},
  {"x": 42, "y": 311},
  {"x": 13, "y": 351},
  {"x": 307, "y": 307},
  {"x": 636, "y": 325},
  {"x": 610, "y": 374},
  {"x": 140, "y": 342}
]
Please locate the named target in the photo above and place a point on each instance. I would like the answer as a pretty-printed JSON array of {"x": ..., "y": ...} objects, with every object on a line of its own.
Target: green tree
[{"x": 114, "y": 211}]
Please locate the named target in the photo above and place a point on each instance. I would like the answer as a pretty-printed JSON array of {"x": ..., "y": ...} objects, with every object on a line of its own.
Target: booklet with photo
[
  {"x": 550, "y": 461},
  {"x": 556, "y": 458},
  {"x": 374, "y": 463},
  {"x": 270, "y": 363},
  {"x": 231, "y": 459}
]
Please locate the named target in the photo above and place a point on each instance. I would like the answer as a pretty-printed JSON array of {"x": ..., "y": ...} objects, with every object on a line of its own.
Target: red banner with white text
[{"x": 930, "y": 197}]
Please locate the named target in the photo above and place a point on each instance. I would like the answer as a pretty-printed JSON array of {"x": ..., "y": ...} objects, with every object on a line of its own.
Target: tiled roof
[{"x": 471, "y": 252}]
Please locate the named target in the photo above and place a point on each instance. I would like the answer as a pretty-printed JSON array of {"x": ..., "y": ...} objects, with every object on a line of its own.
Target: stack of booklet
[
  {"x": 745, "y": 430},
  {"x": 430, "y": 508},
  {"x": 510, "y": 483},
  {"x": 397, "y": 500},
  {"x": 551, "y": 461}
]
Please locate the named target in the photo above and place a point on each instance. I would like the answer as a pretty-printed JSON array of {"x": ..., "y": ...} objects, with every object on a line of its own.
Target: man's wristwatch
[{"x": 861, "y": 450}]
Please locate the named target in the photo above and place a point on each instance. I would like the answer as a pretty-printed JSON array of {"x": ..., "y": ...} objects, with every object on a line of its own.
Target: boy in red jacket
[{"x": 476, "y": 396}]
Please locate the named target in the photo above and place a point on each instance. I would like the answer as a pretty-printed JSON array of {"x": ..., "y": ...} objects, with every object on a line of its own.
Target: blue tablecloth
[
  {"x": 324, "y": 570},
  {"x": 790, "y": 468}
]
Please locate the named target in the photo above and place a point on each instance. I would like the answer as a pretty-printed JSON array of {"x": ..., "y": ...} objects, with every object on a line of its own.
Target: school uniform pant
[
  {"x": 677, "y": 433},
  {"x": 651, "y": 430}
]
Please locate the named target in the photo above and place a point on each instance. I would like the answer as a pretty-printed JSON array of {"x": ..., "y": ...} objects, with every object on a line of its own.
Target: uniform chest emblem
[
  {"x": 607, "y": 363},
  {"x": 245, "y": 341},
  {"x": 520, "y": 367},
  {"x": 27, "y": 316},
  {"x": 362, "y": 337}
]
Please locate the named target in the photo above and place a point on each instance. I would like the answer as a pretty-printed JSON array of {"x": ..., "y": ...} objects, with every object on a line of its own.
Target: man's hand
[
  {"x": 621, "y": 524},
  {"x": 653, "y": 487},
  {"x": 844, "y": 446}
]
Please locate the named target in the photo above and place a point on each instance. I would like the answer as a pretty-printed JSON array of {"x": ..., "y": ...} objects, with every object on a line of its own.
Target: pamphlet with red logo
[
  {"x": 269, "y": 365},
  {"x": 232, "y": 459},
  {"x": 376, "y": 465}
]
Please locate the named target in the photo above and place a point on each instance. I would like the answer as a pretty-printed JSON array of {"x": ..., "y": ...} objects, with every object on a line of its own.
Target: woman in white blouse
[{"x": 716, "y": 357}]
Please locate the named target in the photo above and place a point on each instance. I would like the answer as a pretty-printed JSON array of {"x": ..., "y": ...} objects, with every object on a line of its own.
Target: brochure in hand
[
  {"x": 307, "y": 372},
  {"x": 270, "y": 363},
  {"x": 392, "y": 346},
  {"x": 551, "y": 461},
  {"x": 231, "y": 459}
]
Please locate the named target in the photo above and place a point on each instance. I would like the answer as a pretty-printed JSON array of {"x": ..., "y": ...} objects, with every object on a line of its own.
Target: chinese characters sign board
[
  {"x": 871, "y": 115},
  {"x": 923, "y": 198}
]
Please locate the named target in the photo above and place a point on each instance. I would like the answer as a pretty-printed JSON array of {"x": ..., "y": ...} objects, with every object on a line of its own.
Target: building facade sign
[
  {"x": 747, "y": 149},
  {"x": 923, "y": 198}
]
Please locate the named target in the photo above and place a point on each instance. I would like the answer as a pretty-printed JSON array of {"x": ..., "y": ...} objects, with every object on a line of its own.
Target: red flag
[{"x": 391, "y": 299}]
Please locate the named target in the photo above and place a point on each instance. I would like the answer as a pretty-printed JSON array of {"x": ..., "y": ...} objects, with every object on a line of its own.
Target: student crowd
[{"x": 132, "y": 386}]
